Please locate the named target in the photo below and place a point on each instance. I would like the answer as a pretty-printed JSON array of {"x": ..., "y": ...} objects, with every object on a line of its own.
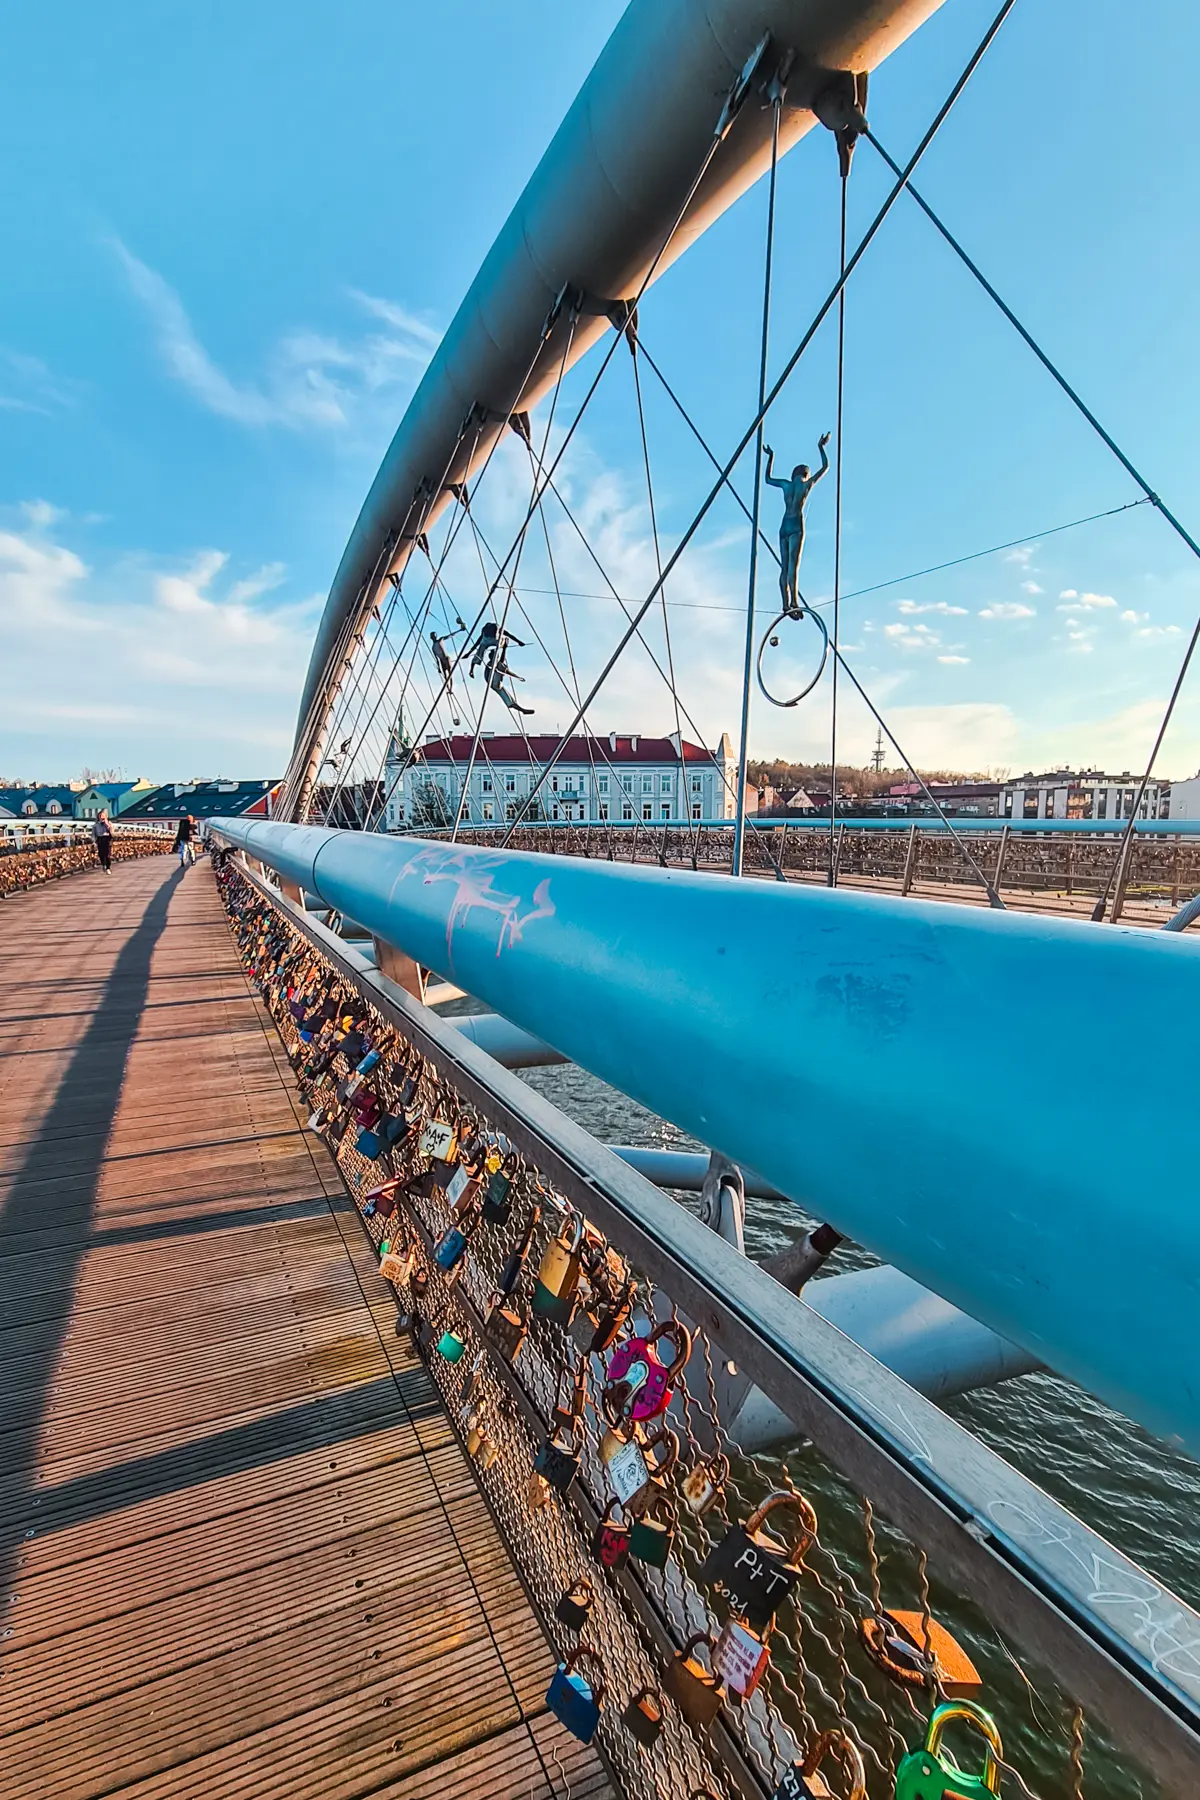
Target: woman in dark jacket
[{"x": 102, "y": 837}]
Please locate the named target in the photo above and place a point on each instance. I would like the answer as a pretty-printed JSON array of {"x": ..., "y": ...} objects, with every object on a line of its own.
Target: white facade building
[
  {"x": 1065, "y": 794},
  {"x": 1185, "y": 799},
  {"x": 621, "y": 778}
]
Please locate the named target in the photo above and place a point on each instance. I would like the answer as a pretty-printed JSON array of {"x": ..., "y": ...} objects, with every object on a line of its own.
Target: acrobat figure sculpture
[
  {"x": 496, "y": 671},
  {"x": 490, "y": 640},
  {"x": 791, "y": 529},
  {"x": 441, "y": 657}
]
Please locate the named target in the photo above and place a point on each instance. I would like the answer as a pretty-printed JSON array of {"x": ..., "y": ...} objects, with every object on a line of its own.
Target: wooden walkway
[{"x": 241, "y": 1552}]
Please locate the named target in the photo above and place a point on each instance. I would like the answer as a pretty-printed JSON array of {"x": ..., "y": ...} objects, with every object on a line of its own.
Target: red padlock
[{"x": 637, "y": 1381}]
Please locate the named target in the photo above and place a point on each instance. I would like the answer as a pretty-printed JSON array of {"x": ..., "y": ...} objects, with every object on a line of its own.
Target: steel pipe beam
[{"x": 930, "y": 1043}]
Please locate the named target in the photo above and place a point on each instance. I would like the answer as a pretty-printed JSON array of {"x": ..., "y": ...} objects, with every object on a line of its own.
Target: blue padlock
[
  {"x": 368, "y": 1144},
  {"x": 368, "y": 1063},
  {"x": 574, "y": 1701},
  {"x": 450, "y": 1248}
]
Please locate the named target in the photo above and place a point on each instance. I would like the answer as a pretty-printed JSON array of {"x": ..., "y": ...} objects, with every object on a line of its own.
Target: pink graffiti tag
[{"x": 473, "y": 881}]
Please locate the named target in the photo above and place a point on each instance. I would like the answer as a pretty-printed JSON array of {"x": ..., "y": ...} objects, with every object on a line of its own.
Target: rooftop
[{"x": 537, "y": 750}]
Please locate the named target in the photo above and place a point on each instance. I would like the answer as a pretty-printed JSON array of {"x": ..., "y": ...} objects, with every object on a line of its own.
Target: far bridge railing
[{"x": 1075, "y": 862}]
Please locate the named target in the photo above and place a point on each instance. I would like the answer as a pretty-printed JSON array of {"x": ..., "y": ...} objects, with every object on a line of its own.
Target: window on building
[
  {"x": 1102, "y": 804},
  {"x": 647, "y": 810},
  {"x": 626, "y": 810},
  {"x": 29, "y": 808},
  {"x": 554, "y": 812},
  {"x": 627, "y": 783},
  {"x": 604, "y": 809},
  {"x": 510, "y": 810},
  {"x": 554, "y": 787},
  {"x": 602, "y": 786},
  {"x": 510, "y": 784},
  {"x": 695, "y": 784},
  {"x": 665, "y": 784},
  {"x": 1008, "y": 799},
  {"x": 664, "y": 811},
  {"x": 1050, "y": 803},
  {"x": 696, "y": 810},
  {"x": 489, "y": 811},
  {"x": 647, "y": 784},
  {"x": 52, "y": 806},
  {"x": 487, "y": 784}
]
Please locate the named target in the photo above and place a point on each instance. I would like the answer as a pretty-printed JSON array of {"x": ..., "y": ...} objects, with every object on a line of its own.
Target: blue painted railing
[{"x": 1000, "y": 1104}]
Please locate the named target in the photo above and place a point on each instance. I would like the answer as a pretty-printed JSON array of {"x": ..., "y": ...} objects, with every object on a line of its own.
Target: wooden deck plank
[{"x": 241, "y": 1551}]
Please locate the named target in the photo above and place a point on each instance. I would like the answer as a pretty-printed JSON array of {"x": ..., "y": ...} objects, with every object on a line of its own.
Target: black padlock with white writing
[{"x": 754, "y": 1571}]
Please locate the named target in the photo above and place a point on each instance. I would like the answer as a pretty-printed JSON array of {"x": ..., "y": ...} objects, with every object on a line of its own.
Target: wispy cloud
[
  {"x": 1008, "y": 609},
  {"x": 954, "y": 659},
  {"x": 1022, "y": 556},
  {"x": 174, "y": 664},
  {"x": 1076, "y": 602},
  {"x": 312, "y": 379},
  {"x": 910, "y": 608},
  {"x": 27, "y": 385},
  {"x": 1031, "y": 587},
  {"x": 912, "y": 637}
]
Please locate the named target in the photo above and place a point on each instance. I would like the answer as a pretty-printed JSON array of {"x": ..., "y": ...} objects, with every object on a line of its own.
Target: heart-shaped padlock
[{"x": 637, "y": 1381}]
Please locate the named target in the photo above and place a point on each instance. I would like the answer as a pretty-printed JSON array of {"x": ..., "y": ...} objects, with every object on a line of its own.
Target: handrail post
[{"x": 910, "y": 861}]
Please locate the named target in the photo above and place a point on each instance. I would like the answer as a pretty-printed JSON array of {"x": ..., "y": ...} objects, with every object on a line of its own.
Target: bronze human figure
[{"x": 791, "y": 529}]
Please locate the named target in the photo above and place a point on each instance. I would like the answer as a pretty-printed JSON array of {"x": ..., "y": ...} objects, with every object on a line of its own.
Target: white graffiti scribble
[
  {"x": 1168, "y": 1634},
  {"x": 472, "y": 876}
]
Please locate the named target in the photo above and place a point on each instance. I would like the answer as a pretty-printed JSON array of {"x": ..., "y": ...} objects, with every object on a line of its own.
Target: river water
[{"x": 1139, "y": 1494}]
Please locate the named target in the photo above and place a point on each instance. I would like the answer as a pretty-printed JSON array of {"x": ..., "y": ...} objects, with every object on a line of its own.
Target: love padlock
[
  {"x": 804, "y": 1781},
  {"x": 755, "y": 1571},
  {"x": 461, "y": 1190},
  {"x": 696, "y": 1693},
  {"x": 610, "y": 1540},
  {"x": 652, "y": 1535},
  {"x": 703, "y": 1486},
  {"x": 740, "y": 1658},
  {"x": 643, "y": 1717},
  {"x": 497, "y": 1195},
  {"x": 506, "y": 1326},
  {"x": 575, "y": 1605},
  {"x": 451, "y": 1247},
  {"x": 636, "y": 1465},
  {"x": 438, "y": 1140},
  {"x": 925, "y": 1774},
  {"x": 451, "y": 1346},
  {"x": 558, "y": 1275},
  {"x": 574, "y": 1701},
  {"x": 557, "y": 1461},
  {"x": 637, "y": 1381},
  {"x": 514, "y": 1263},
  {"x": 396, "y": 1265}
]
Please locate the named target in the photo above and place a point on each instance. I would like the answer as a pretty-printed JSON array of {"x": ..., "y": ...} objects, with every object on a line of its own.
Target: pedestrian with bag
[
  {"x": 102, "y": 837},
  {"x": 185, "y": 840}
]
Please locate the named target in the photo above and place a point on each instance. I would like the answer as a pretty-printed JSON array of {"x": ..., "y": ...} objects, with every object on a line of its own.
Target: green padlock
[{"x": 924, "y": 1775}]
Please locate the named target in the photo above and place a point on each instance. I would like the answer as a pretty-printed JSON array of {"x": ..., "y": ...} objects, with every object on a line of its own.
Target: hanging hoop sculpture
[{"x": 770, "y": 638}]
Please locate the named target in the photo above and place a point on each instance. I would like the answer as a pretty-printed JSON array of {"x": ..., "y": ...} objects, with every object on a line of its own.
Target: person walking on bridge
[
  {"x": 102, "y": 837},
  {"x": 185, "y": 840}
]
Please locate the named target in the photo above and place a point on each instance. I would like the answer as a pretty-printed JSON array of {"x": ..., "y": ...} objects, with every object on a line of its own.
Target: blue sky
[{"x": 234, "y": 236}]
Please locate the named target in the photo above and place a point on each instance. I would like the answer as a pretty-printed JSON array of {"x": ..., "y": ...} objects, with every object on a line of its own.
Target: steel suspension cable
[
  {"x": 625, "y": 608},
  {"x": 837, "y": 530},
  {"x": 497, "y": 663},
  {"x": 631, "y": 335},
  {"x": 954, "y": 562},
  {"x": 590, "y": 738},
  {"x": 739, "y": 821},
  {"x": 1126, "y": 463},
  {"x": 939, "y": 119}
]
